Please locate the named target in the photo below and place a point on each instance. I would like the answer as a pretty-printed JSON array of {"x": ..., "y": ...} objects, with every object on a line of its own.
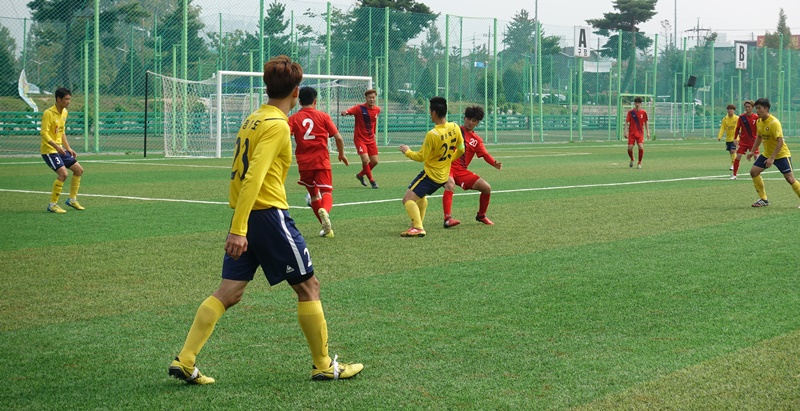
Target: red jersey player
[
  {"x": 746, "y": 130},
  {"x": 311, "y": 129},
  {"x": 459, "y": 175},
  {"x": 635, "y": 125},
  {"x": 366, "y": 117}
]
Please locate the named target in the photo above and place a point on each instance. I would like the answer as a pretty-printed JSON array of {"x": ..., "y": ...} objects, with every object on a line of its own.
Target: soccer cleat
[
  {"x": 483, "y": 219},
  {"x": 631, "y": 164},
  {"x": 361, "y": 179},
  {"x": 325, "y": 219},
  {"x": 731, "y": 169},
  {"x": 761, "y": 203},
  {"x": 374, "y": 184},
  {"x": 56, "y": 209},
  {"x": 336, "y": 371},
  {"x": 733, "y": 177},
  {"x": 413, "y": 232},
  {"x": 191, "y": 375},
  {"x": 74, "y": 204},
  {"x": 329, "y": 234},
  {"x": 639, "y": 166},
  {"x": 451, "y": 222}
]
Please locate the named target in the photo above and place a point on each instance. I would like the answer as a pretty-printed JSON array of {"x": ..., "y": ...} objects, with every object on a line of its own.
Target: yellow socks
[
  {"x": 58, "y": 185},
  {"x": 206, "y": 318},
  {"x": 758, "y": 182},
  {"x": 413, "y": 211},
  {"x": 733, "y": 157},
  {"x": 312, "y": 322},
  {"x": 74, "y": 184},
  {"x": 796, "y": 187},
  {"x": 422, "y": 204}
]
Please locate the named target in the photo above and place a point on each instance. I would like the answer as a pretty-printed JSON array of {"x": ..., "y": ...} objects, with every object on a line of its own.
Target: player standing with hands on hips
[
  {"x": 635, "y": 125},
  {"x": 366, "y": 120},
  {"x": 263, "y": 234}
]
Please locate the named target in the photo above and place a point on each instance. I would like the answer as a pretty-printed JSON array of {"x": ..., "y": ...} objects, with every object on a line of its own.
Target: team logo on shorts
[{"x": 289, "y": 269}]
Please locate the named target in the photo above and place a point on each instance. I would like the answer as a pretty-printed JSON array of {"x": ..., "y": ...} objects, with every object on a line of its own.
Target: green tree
[
  {"x": 629, "y": 14},
  {"x": 8, "y": 73},
  {"x": 773, "y": 40},
  {"x": 408, "y": 18},
  {"x": 171, "y": 28},
  {"x": 520, "y": 38}
]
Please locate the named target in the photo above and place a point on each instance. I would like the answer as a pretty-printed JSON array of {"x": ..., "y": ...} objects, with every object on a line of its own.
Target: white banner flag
[{"x": 24, "y": 87}]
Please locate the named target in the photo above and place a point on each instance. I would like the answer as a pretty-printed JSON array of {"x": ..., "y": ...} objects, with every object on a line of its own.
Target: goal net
[{"x": 202, "y": 118}]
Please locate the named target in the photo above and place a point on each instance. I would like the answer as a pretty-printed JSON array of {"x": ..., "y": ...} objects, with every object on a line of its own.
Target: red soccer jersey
[
  {"x": 311, "y": 129},
  {"x": 366, "y": 122},
  {"x": 746, "y": 129},
  {"x": 473, "y": 145},
  {"x": 636, "y": 118}
]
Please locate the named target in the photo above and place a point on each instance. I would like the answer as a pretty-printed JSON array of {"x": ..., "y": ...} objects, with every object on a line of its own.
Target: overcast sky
[{"x": 739, "y": 19}]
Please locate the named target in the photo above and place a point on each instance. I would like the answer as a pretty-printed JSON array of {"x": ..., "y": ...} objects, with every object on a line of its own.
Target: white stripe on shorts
[{"x": 289, "y": 238}]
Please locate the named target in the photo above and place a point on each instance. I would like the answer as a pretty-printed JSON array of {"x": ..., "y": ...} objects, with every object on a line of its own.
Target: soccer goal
[{"x": 202, "y": 118}]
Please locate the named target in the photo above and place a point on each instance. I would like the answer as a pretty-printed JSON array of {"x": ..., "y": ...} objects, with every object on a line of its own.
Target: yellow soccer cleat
[
  {"x": 191, "y": 375},
  {"x": 56, "y": 209},
  {"x": 336, "y": 371},
  {"x": 325, "y": 219},
  {"x": 74, "y": 204}
]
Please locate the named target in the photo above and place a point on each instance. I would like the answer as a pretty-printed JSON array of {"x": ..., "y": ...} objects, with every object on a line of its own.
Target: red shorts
[
  {"x": 633, "y": 139},
  {"x": 364, "y": 146},
  {"x": 465, "y": 178},
  {"x": 316, "y": 179},
  {"x": 743, "y": 149}
]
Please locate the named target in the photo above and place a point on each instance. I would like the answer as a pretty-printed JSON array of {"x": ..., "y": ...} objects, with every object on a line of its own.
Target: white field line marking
[{"x": 472, "y": 192}]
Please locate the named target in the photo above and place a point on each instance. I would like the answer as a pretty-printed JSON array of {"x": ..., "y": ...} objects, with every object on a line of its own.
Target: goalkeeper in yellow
[
  {"x": 263, "y": 234},
  {"x": 728, "y": 129},
  {"x": 775, "y": 152},
  {"x": 443, "y": 144}
]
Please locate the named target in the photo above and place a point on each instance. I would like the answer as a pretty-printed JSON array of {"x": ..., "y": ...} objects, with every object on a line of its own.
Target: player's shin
[
  {"x": 312, "y": 322},
  {"x": 205, "y": 320}
]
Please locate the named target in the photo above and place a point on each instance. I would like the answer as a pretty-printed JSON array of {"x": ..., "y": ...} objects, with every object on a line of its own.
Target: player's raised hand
[{"x": 235, "y": 245}]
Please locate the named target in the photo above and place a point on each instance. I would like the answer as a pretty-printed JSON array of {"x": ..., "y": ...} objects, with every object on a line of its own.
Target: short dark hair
[
  {"x": 307, "y": 96},
  {"x": 62, "y": 92},
  {"x": 370, "y": 91},
  {"x": 439, "y": 106},
  {"x": 281, "y": 76},
  {"x": 763, "y": 102},
  {"x": 474, "y": 112},
  {"x": 637, "y": 100},
  {"x": 731, "y": 107}
]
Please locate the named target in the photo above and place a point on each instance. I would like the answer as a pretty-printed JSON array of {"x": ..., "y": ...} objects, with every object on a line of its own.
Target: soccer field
[{"x": 599, "y": 287}]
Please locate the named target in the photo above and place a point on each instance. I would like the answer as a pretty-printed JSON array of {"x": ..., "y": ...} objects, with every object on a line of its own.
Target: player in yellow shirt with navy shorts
[
  {"x": 263, "y": 234},
  {"x": 57, "y": 153},
  {"x": 443, "y": 144},
  {"x": 770, "y": 133},
  {"x": 728, "y": 128}
]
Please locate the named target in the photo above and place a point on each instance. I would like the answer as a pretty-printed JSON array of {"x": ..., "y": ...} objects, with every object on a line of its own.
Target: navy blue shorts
[
  {"x": 275, "y": 244},
  {"x": 784, "y": 165},
  {"x": 422, "y": 185},
  {"x": 730, "y": 146},
  {"x": 56, "y": 161}
]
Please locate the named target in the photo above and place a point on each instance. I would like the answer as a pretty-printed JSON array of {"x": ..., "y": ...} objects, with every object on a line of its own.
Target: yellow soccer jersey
[
  {"x": 443, "y": 144},
  {"x": 769, "y": 130},
  {"x": 52, "y": 128},
  {"x": 728, "y": 127},
  {"x": 260, "y": 165}
]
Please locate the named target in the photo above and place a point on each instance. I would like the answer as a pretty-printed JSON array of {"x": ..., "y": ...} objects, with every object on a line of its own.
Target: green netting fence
[{"x": 524, "y": 74}]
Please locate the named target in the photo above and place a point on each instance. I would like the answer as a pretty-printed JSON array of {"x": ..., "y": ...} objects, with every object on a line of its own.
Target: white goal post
[{"x": 202, "y": 118}]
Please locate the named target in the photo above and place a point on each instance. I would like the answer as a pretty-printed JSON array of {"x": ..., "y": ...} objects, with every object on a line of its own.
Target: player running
[
  {"x": 311, "y": 129},
  {"x": 771, "y": 133},
  {"x": 443, "y": 144},
  {"x": 728, "y": 128},
  {"x": 635, "y": 124},
  {"x": 746, "y": 131},
  {"x": 366, "y": 120},
  {"x": 461, "y": 176}
]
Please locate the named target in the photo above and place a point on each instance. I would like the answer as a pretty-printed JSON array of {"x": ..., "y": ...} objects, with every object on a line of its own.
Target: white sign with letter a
[
  {"x": 741, "y": 55},
  {"x": 581, "y": 41}
]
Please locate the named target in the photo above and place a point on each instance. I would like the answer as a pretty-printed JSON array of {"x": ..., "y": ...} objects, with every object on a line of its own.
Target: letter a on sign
[
  {"x": 741, "y": 55},
  {"x": 581, "y": 42}
]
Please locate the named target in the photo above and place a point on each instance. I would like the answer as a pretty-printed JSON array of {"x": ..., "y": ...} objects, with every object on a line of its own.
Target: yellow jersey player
[
  {"x": 443, "y": 144},
  {"x": 770, "y": 133},
  {"x": 57, "y": 153},
  {"x": 728, "y": 128},
  {"x": 263, "y": 234}
]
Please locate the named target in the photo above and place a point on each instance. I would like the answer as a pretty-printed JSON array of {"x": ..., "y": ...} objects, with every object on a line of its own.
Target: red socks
[
  {"x": 641, "y": 154},
  {"x": 447, "y": 203},
  {"x": 484, "y": 204}
]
